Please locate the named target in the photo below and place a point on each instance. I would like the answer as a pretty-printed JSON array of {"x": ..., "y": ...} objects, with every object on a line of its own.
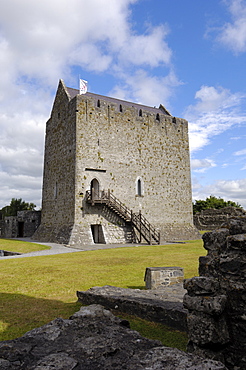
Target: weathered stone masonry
[
  {"x": 216, "y": 300},
  {"x": 140, "y": 153}
]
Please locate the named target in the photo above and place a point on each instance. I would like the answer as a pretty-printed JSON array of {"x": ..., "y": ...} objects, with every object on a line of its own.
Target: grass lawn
[
  {"x": 35, "y": 290},
  {"x": 19, "y": 246}
]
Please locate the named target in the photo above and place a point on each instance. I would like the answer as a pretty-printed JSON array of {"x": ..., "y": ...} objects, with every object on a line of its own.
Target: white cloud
[
  {"x": 234, "y": 190},
  {"x": 41, "y": 42},
  {"x": 240, "y": 152},
  {"x": 146, "y": 89},
  {"x": 202, "y": 165},
  {"x": 216, "y": 111},
  {"x": 233, "y": 34}
]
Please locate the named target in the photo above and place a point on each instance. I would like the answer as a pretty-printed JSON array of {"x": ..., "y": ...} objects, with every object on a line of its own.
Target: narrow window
[
  {"x": 139, "y": 187},
  {"x": 121, "y": 108},
  {"x": 140, "y": 113},
  {"x": 55, "y": 190},
  {"x": 158, "y": 117},
  {"x": 98, "y": 103}
]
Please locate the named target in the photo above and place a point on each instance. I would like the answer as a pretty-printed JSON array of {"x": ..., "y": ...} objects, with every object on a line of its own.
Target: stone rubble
[{"x": 93, "y": 338}]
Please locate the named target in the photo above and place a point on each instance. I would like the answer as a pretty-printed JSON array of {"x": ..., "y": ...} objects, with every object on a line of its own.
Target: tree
[
  {"x": 15, "y": 206},
  {"x": 213, "y": 202}
]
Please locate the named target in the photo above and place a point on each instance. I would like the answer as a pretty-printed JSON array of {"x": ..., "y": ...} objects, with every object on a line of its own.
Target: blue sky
[{"x": 189, "y": 55}]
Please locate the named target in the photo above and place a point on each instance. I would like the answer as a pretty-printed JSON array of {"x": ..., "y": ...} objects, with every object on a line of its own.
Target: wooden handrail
[{"x": 143, "y": 226}]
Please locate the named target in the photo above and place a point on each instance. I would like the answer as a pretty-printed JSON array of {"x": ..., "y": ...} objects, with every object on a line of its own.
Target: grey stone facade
[{"x": 140, "y": 153}]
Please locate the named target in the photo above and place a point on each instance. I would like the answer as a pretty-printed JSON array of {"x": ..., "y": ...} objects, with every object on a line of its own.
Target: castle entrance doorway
[
  {"x": 95, "y": 186},
  {"x": 97, "y": 234}
]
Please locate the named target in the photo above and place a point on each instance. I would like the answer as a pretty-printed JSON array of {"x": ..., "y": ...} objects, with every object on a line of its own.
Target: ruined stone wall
[
  {"x": 211, "y": 219},
  {"x": 23, "y": 225},
  {"x": 31, "y": 220},
  {"x": 216, "y": 300},
  {"x": 10, "y": 229}
]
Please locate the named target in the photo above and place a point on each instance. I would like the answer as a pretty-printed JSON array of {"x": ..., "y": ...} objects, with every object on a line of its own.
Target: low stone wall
[
  {"x": 159, "y": 305},
  {"x": 216, "y": 300}
]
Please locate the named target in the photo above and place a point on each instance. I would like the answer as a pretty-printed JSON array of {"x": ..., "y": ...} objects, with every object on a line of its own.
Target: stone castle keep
[{"x": 114, "y": 172}]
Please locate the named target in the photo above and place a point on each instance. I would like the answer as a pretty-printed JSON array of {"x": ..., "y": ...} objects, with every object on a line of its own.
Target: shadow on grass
[{"x": 20, "y": 313}]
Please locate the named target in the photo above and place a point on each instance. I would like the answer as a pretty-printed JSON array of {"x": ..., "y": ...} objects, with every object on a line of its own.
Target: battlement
[{"x": 93, "y": 108}]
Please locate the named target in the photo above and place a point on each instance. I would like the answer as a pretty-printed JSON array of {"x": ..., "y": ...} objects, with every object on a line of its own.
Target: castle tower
[{"x": 95, "y": 145}]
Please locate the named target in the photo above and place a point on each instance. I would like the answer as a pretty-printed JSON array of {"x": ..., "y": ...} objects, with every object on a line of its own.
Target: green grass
[
  {"x": 19, "y": 246},
  {"x": 152, "y": 330},
  {"x": 35, "y": 290}
]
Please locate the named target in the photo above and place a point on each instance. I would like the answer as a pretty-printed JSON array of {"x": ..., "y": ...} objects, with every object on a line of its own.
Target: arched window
[
  {"x": 158, "y": 117},
  {"x": 139, "y": 187},
  {"x": 95, "y": 188}
]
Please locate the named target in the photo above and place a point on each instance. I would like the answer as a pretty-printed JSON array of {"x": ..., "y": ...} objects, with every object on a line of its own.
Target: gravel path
[{"x": 59, "y": 249}]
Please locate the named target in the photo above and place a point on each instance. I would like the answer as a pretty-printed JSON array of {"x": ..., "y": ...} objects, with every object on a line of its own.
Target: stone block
[
  {"x": 156, "y": 277},
  {"x": 236, "y": 242},
  {"x": 205, "y": 330},
  {"x": 209, "y": 305},
  {"x": 215, "y": 240},
  {"x": 201, "y": 285}
]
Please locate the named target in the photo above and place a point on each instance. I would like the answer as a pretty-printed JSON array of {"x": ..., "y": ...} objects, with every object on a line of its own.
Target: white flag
[{"x": 82, "y": 86}]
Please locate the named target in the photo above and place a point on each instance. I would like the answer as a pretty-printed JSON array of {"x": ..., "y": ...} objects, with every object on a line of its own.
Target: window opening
[
  {"x": 121, "y": 110},
  {"x": 140, "y": 113},
  {"x": 98, "y": 103},
  {"x": 139, "y": 187},
  {"x": 55, "y": 190},
  {"x": 158, "y": 117}
]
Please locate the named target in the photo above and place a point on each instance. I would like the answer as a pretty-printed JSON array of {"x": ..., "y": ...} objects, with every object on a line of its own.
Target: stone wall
[
  {"x": 23, "y": 225},
  {"x": 124, "y": 147},
  {"x": 216, "y": 300},
  {"x": 211, "y": 219}
]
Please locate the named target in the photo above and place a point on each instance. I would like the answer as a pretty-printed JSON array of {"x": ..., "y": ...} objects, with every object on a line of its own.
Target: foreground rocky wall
[
  {"x": 216, "y": 300},
  {"x": 91, "y": 339}
]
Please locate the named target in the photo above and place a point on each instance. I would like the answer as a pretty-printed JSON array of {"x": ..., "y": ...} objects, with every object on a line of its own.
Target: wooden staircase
[{"x": 140, "y": 226}]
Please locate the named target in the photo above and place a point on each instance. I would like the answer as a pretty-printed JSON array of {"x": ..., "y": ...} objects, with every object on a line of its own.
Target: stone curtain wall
[{"x": 216, "y": 300}]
